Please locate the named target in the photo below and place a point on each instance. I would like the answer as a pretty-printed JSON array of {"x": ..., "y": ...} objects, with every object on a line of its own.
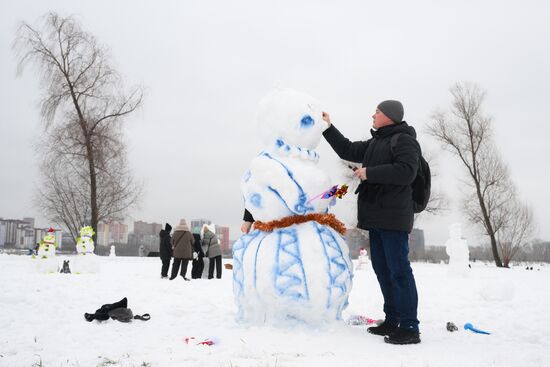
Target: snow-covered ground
[{"x": 42, "y": 322}]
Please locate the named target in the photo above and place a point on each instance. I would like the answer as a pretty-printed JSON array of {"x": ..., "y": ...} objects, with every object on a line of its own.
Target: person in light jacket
[{"x": 212, "y": 250}]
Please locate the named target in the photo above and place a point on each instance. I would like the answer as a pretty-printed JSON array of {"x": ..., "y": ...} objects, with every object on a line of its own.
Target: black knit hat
[
  {"x": 167, "y": 227},
  {"x": 392, "y": 109}
]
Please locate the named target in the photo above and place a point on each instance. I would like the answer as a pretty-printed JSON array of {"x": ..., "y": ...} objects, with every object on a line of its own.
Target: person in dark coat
[
  {"x": 165, "y": 249},
  {"x": 198, "y": 262},
  {"x": 182, "y": 243},
  {"x": 385, "y": 209}
]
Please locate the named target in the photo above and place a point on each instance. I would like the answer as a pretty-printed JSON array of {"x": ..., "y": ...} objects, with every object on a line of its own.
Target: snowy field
[{"x": 42, "y": 322}]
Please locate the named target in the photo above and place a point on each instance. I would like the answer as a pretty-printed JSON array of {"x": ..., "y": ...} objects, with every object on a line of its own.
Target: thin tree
[
  {"x": 85, "y": 98},
  {"x": 491, "y": 199}
]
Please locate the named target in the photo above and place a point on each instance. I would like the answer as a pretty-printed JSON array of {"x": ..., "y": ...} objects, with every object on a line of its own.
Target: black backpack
[{"x": 422, "y": 183}]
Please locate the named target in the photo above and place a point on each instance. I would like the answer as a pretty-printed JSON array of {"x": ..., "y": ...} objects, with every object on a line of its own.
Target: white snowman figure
[
  {"x": 46, "y": 254},
  {"x": 86, "y": 261},
  {"x": 112, "y": 251},
  {"x": 296, "y": 268},
  {"x": 85, "y": 242},
  {"x": 457, "y": 249},
  {"x": 363, "y": 262},
  {"x": 46, "y": 249}
]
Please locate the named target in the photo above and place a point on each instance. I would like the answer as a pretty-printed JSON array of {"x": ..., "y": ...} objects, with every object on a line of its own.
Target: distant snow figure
[
  {"x": 295, "y": 265},
  {"x": 457, "y": 249},
  {"x": 112, "y": 252},
  {"x": 363, "y": 262}
]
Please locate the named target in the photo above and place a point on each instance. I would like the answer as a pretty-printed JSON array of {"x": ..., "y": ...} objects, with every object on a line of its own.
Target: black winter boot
[
  {"x": 383, "y": 329},
  {"x": 403, "y": 336}
]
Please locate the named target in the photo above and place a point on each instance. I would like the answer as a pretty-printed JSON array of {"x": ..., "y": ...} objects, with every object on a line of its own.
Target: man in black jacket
[
  {"x": 165, "y": 249},
  {"x": 385, "y": 209}
]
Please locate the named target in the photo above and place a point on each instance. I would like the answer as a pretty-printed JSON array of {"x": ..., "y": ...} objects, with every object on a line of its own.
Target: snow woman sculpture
[{"x": 295, "y": 264}]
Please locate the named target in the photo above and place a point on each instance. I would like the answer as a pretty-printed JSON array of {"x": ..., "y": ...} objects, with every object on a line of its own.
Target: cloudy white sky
[{"x": 206, "y": 64}]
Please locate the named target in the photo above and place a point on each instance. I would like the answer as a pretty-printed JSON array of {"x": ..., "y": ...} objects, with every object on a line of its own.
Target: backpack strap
[{"x": 393, "y": 141}]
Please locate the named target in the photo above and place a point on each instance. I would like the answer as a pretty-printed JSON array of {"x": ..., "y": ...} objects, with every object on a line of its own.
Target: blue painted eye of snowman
[
  {"x": 279, "y": 143},
  {"x": 256, "y": 200},
  {"x": 307, "y": 121}
]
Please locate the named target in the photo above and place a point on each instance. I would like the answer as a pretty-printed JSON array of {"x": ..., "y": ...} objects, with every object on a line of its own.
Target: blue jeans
[{"x": 390, "y": 261}]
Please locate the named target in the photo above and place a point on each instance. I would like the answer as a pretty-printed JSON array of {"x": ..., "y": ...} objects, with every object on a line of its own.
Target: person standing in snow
[
  {"x": 165, "y": 249},
  {"x": 182, "y": 243},
  {"x": 198, "y": 259},
  {"x": 385, "y": 209},
  {"x": 212, "y": 250}
]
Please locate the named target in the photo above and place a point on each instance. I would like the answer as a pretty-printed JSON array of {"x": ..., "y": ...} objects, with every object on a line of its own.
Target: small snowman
[
  {"x": 295, "y": 264},
  {"x": 363, "y": 262},
  {"x": 85, "y": 242},
  {"x": 457, "y": 249},
  {"x": 46, "y": 250}
]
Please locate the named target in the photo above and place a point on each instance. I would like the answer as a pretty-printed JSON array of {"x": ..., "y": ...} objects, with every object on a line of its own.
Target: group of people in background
[{"x": 185, "y": 246}]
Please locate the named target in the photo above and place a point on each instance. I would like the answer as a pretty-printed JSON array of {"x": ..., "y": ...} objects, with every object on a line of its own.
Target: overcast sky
[{"x": 206, "y": 65}]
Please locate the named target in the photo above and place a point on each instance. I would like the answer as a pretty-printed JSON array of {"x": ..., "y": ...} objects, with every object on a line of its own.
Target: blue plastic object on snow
[{"x": 471, "y": 327}]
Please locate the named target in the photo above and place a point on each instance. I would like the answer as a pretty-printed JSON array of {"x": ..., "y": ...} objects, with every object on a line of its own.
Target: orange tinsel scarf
[{"x": 325, "y": 219}]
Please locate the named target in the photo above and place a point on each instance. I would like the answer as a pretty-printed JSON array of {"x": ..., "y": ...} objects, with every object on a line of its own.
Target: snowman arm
[{"x": 347, "y": 150}]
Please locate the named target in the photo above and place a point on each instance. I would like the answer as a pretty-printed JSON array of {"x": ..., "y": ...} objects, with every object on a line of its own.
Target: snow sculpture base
[
  {"x": 300, "y": 273},
  {"x": 46, "y": 265},
  {"x": 85, "y": 264}
]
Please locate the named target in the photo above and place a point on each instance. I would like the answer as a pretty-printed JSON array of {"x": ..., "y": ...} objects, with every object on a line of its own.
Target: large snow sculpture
[{"x": 294, "y": 264}]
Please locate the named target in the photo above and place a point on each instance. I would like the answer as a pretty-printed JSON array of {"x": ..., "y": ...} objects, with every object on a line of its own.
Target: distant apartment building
[
  {"x": 223, "y": 236},
  {"x": 417, "y": 248},
  {"x": 144, "y": 239},
  {"x": 196, "y": 224},
  {"x": 21, "y": 234},
  {"x": 144, "y": 228},
  {"x": 113, "y": 231}
]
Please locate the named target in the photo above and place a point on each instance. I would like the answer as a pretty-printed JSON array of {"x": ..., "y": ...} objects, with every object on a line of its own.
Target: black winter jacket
[
  {"x": 385, "y": 198},
  {"x": 165, "y": 246}
]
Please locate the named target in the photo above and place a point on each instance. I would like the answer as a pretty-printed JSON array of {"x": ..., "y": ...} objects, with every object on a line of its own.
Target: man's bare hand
[
  {"x": 326, "y": 118},
  {"x": 361, "y": 173}
]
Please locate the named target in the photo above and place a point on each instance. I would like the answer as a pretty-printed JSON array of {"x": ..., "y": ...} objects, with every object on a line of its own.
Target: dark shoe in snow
[
  {"x": 383, "y": 329},
  {"x": 403, "y": 336}
]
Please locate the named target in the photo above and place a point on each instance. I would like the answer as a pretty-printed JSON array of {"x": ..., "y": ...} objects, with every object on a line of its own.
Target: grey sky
[{"x": 206, "y": 64}]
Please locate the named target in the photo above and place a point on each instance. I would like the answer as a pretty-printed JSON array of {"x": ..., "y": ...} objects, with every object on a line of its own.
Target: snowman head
[
  {"x": 286, "y": 116},
  {"x": 86, "y": 232},
  {"x": 49, "y": 238}
]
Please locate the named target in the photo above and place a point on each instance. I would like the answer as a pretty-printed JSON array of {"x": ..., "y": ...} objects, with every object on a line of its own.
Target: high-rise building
[
  {"x": 148, "y": 229},
  {"x": 223, "y": 236},
  {"x": 196, "y": 224},
  {"x": 416, "y": 244},
  {"x": 113, "y": 231}
]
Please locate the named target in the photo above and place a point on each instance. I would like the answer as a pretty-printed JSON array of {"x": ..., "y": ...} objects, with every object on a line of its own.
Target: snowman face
[
  {"x": 292, "y": 117},
  {"x": 49, "y": 239},
  {"x": 86, "y": 231}
]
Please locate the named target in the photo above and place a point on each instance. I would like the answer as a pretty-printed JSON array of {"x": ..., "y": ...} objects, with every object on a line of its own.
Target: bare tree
[
  {"x": 83, "y": 105},
  {"x": 492, "y": 199}
]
